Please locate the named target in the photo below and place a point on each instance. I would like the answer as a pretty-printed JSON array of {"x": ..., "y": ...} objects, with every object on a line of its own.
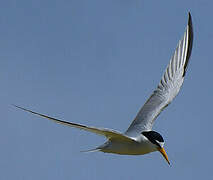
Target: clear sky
[{"x": 96, "y": 62}]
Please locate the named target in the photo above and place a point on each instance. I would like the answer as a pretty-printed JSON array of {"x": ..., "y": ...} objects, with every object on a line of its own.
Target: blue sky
[{"x": 95, "y": 63}]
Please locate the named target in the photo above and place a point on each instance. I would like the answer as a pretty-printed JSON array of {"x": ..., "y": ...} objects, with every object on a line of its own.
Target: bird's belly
[{"x": 126, "y": 148}]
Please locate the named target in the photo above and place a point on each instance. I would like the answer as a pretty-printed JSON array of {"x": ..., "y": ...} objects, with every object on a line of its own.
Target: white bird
[{"x": 139, "y": 138}]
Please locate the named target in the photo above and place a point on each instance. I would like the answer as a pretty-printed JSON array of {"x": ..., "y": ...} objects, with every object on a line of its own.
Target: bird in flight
[{"x": 139, "y": 138}]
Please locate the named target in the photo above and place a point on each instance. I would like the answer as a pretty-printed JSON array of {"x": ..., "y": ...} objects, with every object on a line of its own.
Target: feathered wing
[
  {"x": 108, "y": 133},
  {"x": 168, "y": 87}
]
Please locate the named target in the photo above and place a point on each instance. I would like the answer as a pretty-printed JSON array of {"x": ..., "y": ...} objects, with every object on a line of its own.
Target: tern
[{"x": 139, "y": 138}]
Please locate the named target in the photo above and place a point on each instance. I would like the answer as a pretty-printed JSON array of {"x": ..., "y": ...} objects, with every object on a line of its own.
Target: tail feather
[{"x": 91, "y": 150}]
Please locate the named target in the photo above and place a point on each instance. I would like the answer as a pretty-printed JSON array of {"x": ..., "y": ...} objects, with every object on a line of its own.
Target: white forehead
[{"x": 160, "y": 143}]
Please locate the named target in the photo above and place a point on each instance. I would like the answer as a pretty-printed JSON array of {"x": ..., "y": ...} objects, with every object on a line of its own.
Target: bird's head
[{"x": 156, "y": 139}]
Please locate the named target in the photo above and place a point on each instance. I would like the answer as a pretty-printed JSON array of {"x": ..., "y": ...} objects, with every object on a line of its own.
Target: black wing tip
[
  {"x": 191, "y": 36},
  {"x": 24, "y": 109},
  {"x": 189, "y": 20},
  {"x": 19, "y": 107},
  {"x": 190, "y": 17}
]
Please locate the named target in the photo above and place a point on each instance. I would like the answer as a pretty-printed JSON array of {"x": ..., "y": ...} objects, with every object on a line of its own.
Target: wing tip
[
  {"x": 190, "y": 22},
  {"x": 189, "y": 14},
  {"x": 19, "y": 107},
  {"x": 190, "y": 40}
]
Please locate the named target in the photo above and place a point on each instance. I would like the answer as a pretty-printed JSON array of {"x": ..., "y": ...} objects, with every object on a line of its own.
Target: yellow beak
[{"x": 163, "y": 152}]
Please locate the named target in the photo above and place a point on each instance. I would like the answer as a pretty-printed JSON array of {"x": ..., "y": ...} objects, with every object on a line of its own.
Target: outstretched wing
[
  {"x": 168, "y": 87},
  {"x": 108, "y": 133}
]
